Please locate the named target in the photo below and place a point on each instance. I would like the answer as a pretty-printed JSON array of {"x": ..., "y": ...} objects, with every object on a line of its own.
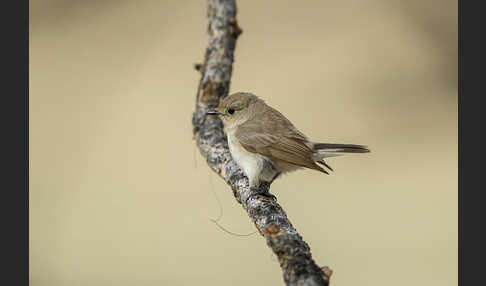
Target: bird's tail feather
[{"x": 326, "y": 150}]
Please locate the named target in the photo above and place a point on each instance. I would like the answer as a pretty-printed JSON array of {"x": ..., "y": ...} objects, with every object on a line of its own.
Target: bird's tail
[{"x": 326, "y": 150}]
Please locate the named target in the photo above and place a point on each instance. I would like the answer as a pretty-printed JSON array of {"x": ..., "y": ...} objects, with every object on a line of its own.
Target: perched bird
[{"x": 265, "y": 144}]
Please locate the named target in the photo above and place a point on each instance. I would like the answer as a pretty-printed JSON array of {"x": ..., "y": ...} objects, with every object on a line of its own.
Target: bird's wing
[{"x": 288, "y": 145}]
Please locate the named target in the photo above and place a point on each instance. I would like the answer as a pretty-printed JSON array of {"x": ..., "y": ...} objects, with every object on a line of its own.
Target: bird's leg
[{"x": 274, "y": 177}]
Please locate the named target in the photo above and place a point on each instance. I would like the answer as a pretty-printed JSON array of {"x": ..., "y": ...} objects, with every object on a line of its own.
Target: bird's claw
[{"x": 261, "y": 192}]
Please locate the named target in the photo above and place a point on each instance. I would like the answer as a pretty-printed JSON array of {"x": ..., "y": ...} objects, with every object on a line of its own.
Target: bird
[{"x": 265, "y": 144}]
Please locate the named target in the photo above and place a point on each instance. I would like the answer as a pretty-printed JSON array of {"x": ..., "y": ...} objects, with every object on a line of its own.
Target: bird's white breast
[{"x": 251, "y": 163}]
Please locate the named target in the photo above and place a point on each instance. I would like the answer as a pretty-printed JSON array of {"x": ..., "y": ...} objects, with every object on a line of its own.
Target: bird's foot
[{"x": 263, "y": 191}]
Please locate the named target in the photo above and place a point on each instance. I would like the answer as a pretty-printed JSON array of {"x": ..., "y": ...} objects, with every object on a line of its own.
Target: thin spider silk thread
[{"x": 216, "y": 221}]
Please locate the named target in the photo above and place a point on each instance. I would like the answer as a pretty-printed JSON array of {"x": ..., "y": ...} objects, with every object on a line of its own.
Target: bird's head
[{"x": 237, "y": 108}]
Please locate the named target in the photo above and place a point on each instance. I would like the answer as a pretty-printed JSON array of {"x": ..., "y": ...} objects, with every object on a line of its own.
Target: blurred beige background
[{"x": 119, "y": 194}]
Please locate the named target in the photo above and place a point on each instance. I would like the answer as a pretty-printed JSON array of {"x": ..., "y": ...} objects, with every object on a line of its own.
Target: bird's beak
[{"x": 213, "y": 112}]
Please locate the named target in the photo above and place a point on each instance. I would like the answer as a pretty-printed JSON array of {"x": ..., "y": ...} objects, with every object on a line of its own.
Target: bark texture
[{"x": 270, "y": 219}]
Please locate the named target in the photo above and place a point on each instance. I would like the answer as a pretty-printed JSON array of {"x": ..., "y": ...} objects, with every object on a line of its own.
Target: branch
[{"x": 270, "y": 219}]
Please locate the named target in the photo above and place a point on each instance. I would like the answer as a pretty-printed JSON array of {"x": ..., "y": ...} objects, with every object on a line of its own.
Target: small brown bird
[{"x": 265, "y": 144}]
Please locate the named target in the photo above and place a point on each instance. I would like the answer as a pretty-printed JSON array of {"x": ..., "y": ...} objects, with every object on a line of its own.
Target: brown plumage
[{"x": 266, "y": 144}]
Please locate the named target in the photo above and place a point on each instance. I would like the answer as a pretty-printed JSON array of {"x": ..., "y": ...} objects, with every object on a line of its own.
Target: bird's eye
[{"x": 231, "y": 111}]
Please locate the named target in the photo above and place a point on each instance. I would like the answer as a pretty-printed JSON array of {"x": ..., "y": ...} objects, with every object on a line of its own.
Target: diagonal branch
[{"x": 270, "y": 219}]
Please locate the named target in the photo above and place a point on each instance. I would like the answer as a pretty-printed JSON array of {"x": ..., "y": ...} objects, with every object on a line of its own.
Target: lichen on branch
[{"x": 270, "y": 219}]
